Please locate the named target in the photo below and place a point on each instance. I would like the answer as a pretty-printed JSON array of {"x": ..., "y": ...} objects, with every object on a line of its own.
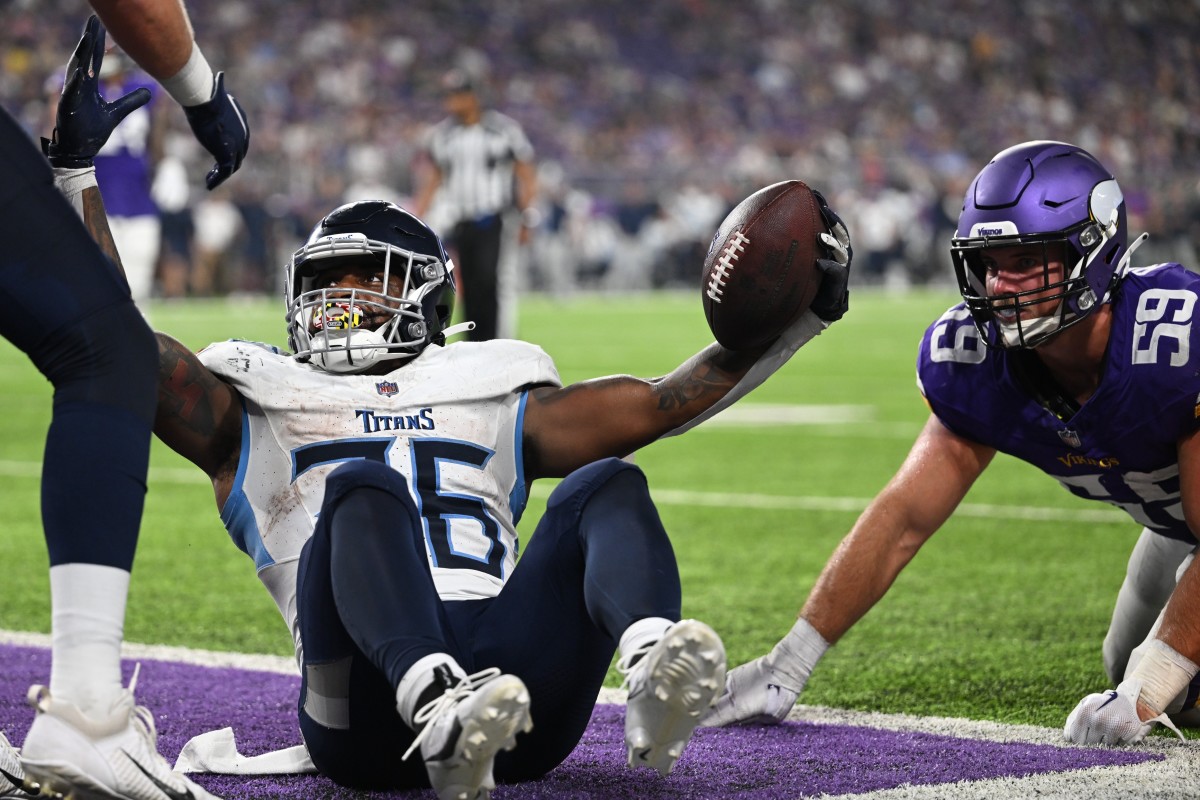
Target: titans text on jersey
[{"x": 450, "y": 421}]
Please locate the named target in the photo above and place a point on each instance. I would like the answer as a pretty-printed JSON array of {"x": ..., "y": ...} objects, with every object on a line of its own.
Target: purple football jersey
[
  {"x": 1120, "y": 447},
  {"x": 124, "y": 169}
]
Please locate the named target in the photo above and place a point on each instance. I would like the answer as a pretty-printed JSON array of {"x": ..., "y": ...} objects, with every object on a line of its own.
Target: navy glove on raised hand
[
  {"x": 84, "y": 121},
  {"x": 220, "y": 125},
  {"x": 833, "y": 297}
]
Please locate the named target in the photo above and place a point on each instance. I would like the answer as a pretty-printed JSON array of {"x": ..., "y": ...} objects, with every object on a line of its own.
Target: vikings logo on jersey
[{"x": 337, "y": 317}]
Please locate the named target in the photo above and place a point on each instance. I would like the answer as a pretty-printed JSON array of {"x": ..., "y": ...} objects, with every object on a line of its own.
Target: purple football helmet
[{"x": 1051, "y": 194}]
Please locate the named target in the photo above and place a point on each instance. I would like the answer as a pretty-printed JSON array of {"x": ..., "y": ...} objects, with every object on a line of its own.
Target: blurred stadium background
[{"x": 651, "y": 119}]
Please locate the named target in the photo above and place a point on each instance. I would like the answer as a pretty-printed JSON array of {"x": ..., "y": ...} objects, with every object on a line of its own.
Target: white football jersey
[{"x": 450, "y": 421}]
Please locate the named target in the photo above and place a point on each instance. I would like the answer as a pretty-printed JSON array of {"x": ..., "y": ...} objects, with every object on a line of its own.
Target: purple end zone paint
[{"x": 755, "y": 763}]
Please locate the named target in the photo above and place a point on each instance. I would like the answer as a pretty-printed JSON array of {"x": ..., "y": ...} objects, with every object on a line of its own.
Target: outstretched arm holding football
[
  {"x": 939, "y": 470},
  {"x": 568, "y": 427},
  {"x": 829, "y": 304}
]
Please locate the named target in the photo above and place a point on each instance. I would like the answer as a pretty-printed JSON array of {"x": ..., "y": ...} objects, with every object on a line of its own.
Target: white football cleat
[
  {"x": 114, "y": 755},
  {"x": 12, "y": 777},
  {"x": 671, "y": 684},
  {"x": 464, "y": 729}
]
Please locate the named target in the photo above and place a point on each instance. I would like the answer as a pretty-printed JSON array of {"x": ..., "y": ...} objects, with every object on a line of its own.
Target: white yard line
[
  {"x": 685, "y": 497},
  {"x": 183, "y": 655},
  {"x": 773, "y": 414}
]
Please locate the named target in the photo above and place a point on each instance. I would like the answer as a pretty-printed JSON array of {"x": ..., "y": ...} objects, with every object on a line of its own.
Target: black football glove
[
  {"x": 833, "y": 296},
  {"x": 220, "y": 125},
  {"x": 84, "y": 121}
]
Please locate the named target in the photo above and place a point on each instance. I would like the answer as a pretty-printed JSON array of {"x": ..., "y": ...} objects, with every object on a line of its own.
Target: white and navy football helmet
[
  {"x": 339, "y": 329},
  {"x": 1060, "y": 197}
]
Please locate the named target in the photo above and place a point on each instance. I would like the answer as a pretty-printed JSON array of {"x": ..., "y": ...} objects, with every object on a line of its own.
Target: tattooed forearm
[
  {"x": 692, "y": 387},
  {"x": 707, "y": 377},
  {"x": 676, "y": 391},
  {"x": 96, "y": 220}
]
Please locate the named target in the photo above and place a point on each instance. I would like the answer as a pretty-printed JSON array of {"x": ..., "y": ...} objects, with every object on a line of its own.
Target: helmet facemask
[
  {"x": 349, "y": 330},
  {"x": 1072, "y": 293}
]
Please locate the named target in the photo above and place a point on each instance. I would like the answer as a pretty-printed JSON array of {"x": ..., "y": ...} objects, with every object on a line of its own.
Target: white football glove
[
  {"x": 754, "y": 692},
  {"x": 1111, "y": 718}
]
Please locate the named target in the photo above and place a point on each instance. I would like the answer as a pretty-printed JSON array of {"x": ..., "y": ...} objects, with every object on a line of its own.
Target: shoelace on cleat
[
  {"x": 447, "y": 701},
  {"x": 627, "y": 665}
]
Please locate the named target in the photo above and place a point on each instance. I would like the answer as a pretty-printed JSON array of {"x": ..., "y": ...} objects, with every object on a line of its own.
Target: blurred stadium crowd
[{"x": 651, "y": 119}]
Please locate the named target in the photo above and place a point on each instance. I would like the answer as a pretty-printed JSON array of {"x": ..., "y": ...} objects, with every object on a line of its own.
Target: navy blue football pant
[
  {"x": 598, "y": 561},
  {"x": 65, "y": 305}
]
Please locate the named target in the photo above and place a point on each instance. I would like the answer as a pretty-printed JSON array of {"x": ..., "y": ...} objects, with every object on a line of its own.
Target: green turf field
[{"x": 1000, "y": 617}]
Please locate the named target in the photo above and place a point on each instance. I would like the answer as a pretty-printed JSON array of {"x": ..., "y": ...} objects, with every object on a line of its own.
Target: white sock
[
  {"x": 417, "y": 680},
  {"x": 194, "y": 84},
  {"x": 87, "y": 625},
  {"x": 641, "y": 633}
]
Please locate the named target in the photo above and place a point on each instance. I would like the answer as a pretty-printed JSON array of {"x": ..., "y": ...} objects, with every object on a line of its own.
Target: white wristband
[
  {"x": 797, "y": 653},
  {"x": 194, "y": 84},
  {"x": 1164, "y": 673},
  {"x": 71, "y": 182}
]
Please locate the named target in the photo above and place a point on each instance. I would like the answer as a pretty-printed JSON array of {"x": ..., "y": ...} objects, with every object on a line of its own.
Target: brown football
[{"x": 761, "y": 272}]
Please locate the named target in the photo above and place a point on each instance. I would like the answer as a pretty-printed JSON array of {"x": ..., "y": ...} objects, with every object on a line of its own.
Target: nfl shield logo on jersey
[
  {"x": 1070, "y": 437},
  {"x": 387, "y": 388}
]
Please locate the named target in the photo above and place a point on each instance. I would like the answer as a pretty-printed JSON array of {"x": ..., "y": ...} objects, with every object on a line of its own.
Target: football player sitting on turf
[
  {"x": 1063, "y": 356},
  {"x": 376, "y": 475}
]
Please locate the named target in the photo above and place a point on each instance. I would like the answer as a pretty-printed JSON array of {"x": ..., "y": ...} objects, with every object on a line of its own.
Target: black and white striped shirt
[{"x": 476, "y": 162}]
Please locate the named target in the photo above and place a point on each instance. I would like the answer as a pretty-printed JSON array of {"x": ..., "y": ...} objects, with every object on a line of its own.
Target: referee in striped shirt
[{"x": 481, "y": 166}]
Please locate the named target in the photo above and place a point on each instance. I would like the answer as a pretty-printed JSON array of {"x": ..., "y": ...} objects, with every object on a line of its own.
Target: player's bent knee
[
  {"x": 365, "y": 474},
  {"x": 582, "y": 484},
  {"x": 109, "y": 357}
]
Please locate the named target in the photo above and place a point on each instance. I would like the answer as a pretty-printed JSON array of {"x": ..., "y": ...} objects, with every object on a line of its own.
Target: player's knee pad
[{"x": 109, "y": 357}]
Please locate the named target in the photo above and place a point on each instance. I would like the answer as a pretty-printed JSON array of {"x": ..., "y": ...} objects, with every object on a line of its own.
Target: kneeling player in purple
[
  {"x": 376, "y": 475},
  {"x": 1063, "y": 356}
]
